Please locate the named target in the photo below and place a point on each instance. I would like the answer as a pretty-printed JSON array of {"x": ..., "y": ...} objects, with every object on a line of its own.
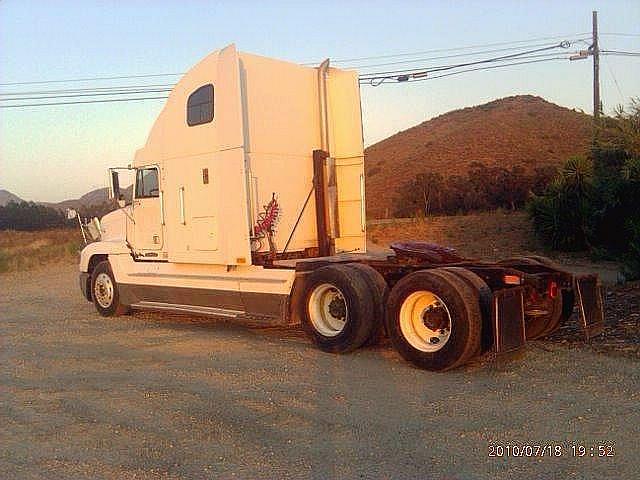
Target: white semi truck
[{"x": 249, "y": 200}]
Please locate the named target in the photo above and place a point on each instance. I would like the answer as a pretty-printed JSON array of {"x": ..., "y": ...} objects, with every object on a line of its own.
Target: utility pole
[{"x": 595, "y": 51}]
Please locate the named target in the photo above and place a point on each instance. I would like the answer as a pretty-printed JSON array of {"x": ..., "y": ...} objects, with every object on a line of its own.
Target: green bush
[
  {"x": 593, "y": 202},
  {"x": 562, "y": 213}
]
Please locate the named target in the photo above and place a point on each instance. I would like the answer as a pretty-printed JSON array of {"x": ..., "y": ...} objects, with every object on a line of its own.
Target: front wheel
[{"x": 104, "y": 291}]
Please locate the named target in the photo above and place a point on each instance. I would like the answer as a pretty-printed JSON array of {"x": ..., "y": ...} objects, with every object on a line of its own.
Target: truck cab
[{"x": 226, "y": 183}]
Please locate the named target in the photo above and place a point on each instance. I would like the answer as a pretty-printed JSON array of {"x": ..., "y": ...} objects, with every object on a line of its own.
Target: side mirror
[{"x": 114, "y": 186}]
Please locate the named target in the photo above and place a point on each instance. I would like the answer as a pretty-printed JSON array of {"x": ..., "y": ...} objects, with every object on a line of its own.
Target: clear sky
[{"x": 59, "y": 152}]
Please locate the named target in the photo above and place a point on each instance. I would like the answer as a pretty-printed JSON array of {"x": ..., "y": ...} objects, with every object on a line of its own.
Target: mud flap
[
  {"x": 589, "y": 297},
  {"x": 507, "y": 314}
]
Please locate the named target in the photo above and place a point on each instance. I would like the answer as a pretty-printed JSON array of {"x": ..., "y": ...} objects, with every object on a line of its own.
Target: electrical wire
[
  {"x": 48, "y": 97},
  {"x": 466, "y": 70},
  {"x": 619, "y": 52},
  {"x": 413, "y": 71},
  {"x": 439, "y": 50},
  {"x": 469, "y": 54},
  {"x": 91, "y": 89},
  {"x": 418, "y": 73},
  {"x": 384, "y": 75},
  {"x": 491, "y": 67},
  {"x": 615, "y": 80},
  {"x": 69, "y": 80},
  {"x": 621, "y": 34},
  {"x": 83, "y": 102}
]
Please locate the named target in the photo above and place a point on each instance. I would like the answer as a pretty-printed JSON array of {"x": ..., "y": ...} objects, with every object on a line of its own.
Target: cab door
[{"x": 147, "y": 212}]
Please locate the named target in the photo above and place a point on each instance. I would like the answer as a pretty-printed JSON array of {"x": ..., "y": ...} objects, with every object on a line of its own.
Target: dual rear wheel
[
  {"x": 341, "y": 306},
  {"x": 433, "y": 317}
]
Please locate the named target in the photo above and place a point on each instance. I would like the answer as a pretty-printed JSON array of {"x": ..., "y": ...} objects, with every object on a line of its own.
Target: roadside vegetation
[
  {"x": 27, "y": 250},
  {"x": 588, "y": 205},
  {"x": 31, "y": 216},
  {"x": 484, "y": 187},
  {"x": 32, "y": 234},
  {"x": 592, "y": 204}
]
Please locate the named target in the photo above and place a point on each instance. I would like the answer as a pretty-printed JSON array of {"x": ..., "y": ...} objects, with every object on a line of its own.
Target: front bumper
[{"x": 85, "y": 288}]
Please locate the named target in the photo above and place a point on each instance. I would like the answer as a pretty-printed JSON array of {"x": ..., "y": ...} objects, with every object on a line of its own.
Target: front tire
[
  {"x": 337, "y": 309},
  {"x": 104, "y": 291},
  {"x": 434, "y": 319}
]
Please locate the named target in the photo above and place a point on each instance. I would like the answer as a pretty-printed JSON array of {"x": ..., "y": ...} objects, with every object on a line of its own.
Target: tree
[
  {"x": 29, "y": 216},
  {"x": 420, "y": 196}
]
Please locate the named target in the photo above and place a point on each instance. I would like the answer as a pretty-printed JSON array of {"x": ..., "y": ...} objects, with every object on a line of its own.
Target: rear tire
[
  {"x": 484, "y": 300},
  {"x": 379, "y": 291},
  {"x": 337, "y": 309},
  {"x": 567, "y": 301},
  {"x": 434, "y": 319},
  {"x": 104, "y": 291},
  {"x": 540, "y": 325}
]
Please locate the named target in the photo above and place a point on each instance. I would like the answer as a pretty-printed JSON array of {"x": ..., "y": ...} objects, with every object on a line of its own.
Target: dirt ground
[{"x": 164, "y": 396}]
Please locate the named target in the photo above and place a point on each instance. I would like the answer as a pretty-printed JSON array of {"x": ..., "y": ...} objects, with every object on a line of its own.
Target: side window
[
  {"x": 200, "y": 106},
  {"x": 147, "y": 183}
]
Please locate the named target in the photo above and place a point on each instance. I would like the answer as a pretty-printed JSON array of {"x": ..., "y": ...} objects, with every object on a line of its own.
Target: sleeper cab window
[
  {"x": 147, "y": 183},
  {"x": 200, "y": 106}
]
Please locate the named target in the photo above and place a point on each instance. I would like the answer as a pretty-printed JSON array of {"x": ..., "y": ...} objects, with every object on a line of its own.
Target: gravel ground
[
  {"x": 622, "y": 323},
  {"x": 164, "y": 396}
]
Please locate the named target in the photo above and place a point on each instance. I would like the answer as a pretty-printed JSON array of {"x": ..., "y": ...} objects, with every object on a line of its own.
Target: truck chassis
[{"x": 439, "y": 310}]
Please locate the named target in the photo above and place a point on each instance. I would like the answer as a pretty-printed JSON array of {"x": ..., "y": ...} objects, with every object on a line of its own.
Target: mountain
[
  {"x": 90, "y": 199},
  {"x": 6, "y": 197},
  {"x": 520, "y": 130}
]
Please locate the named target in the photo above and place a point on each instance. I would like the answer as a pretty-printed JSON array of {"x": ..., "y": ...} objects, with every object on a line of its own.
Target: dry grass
[
  {"x": 27, "y": 250},
  {"x": 488, "y": 235}
]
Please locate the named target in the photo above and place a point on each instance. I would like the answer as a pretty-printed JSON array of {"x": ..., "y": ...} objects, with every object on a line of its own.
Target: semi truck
[{"x": 249, "y": 201}]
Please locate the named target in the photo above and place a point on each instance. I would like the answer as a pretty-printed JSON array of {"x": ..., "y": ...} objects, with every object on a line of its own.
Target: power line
[
  {"x": 488, "y": 67},
  {"x": 622, "y": 34},
  {"x": 619, "y": 52},
  {"x": 469, "y": 54},
  {"x": 393, "y": 74},
  {"x": 373, "y": 78},
  {"x": 69, "y": 80},
  {"x": 405, "y": 54},
  {"x": 439, "y": 50},
  {"x": 91, "y": 89},
  {"x": 126, "y": 92},
  {"x": 414, "y": 71},
  {"x": 83, "y": 101},
  {"x": 615, "y": 80}
]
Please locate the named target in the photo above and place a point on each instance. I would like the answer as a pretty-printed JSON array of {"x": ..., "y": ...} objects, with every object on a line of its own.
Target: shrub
[{"x": 593, "y": 203}]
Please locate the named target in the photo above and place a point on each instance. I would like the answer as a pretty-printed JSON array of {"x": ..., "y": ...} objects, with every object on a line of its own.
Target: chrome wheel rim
[
  {"x": 103, "y": 290},
  {"x": 425, "y": 321},
  {"x": 328, "y": 310}
]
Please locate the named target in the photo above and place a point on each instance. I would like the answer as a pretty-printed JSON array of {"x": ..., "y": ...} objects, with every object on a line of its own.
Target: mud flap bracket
[
  {"x": 507, "y": 314},
  {"x": 590, "y": 305}
]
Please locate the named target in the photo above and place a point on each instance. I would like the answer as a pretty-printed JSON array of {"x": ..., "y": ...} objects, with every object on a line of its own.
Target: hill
[
  {"x": 520, "y": 130},
  {"x": 6, "y": 197},
  {"x": 90, "y": 199}
]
